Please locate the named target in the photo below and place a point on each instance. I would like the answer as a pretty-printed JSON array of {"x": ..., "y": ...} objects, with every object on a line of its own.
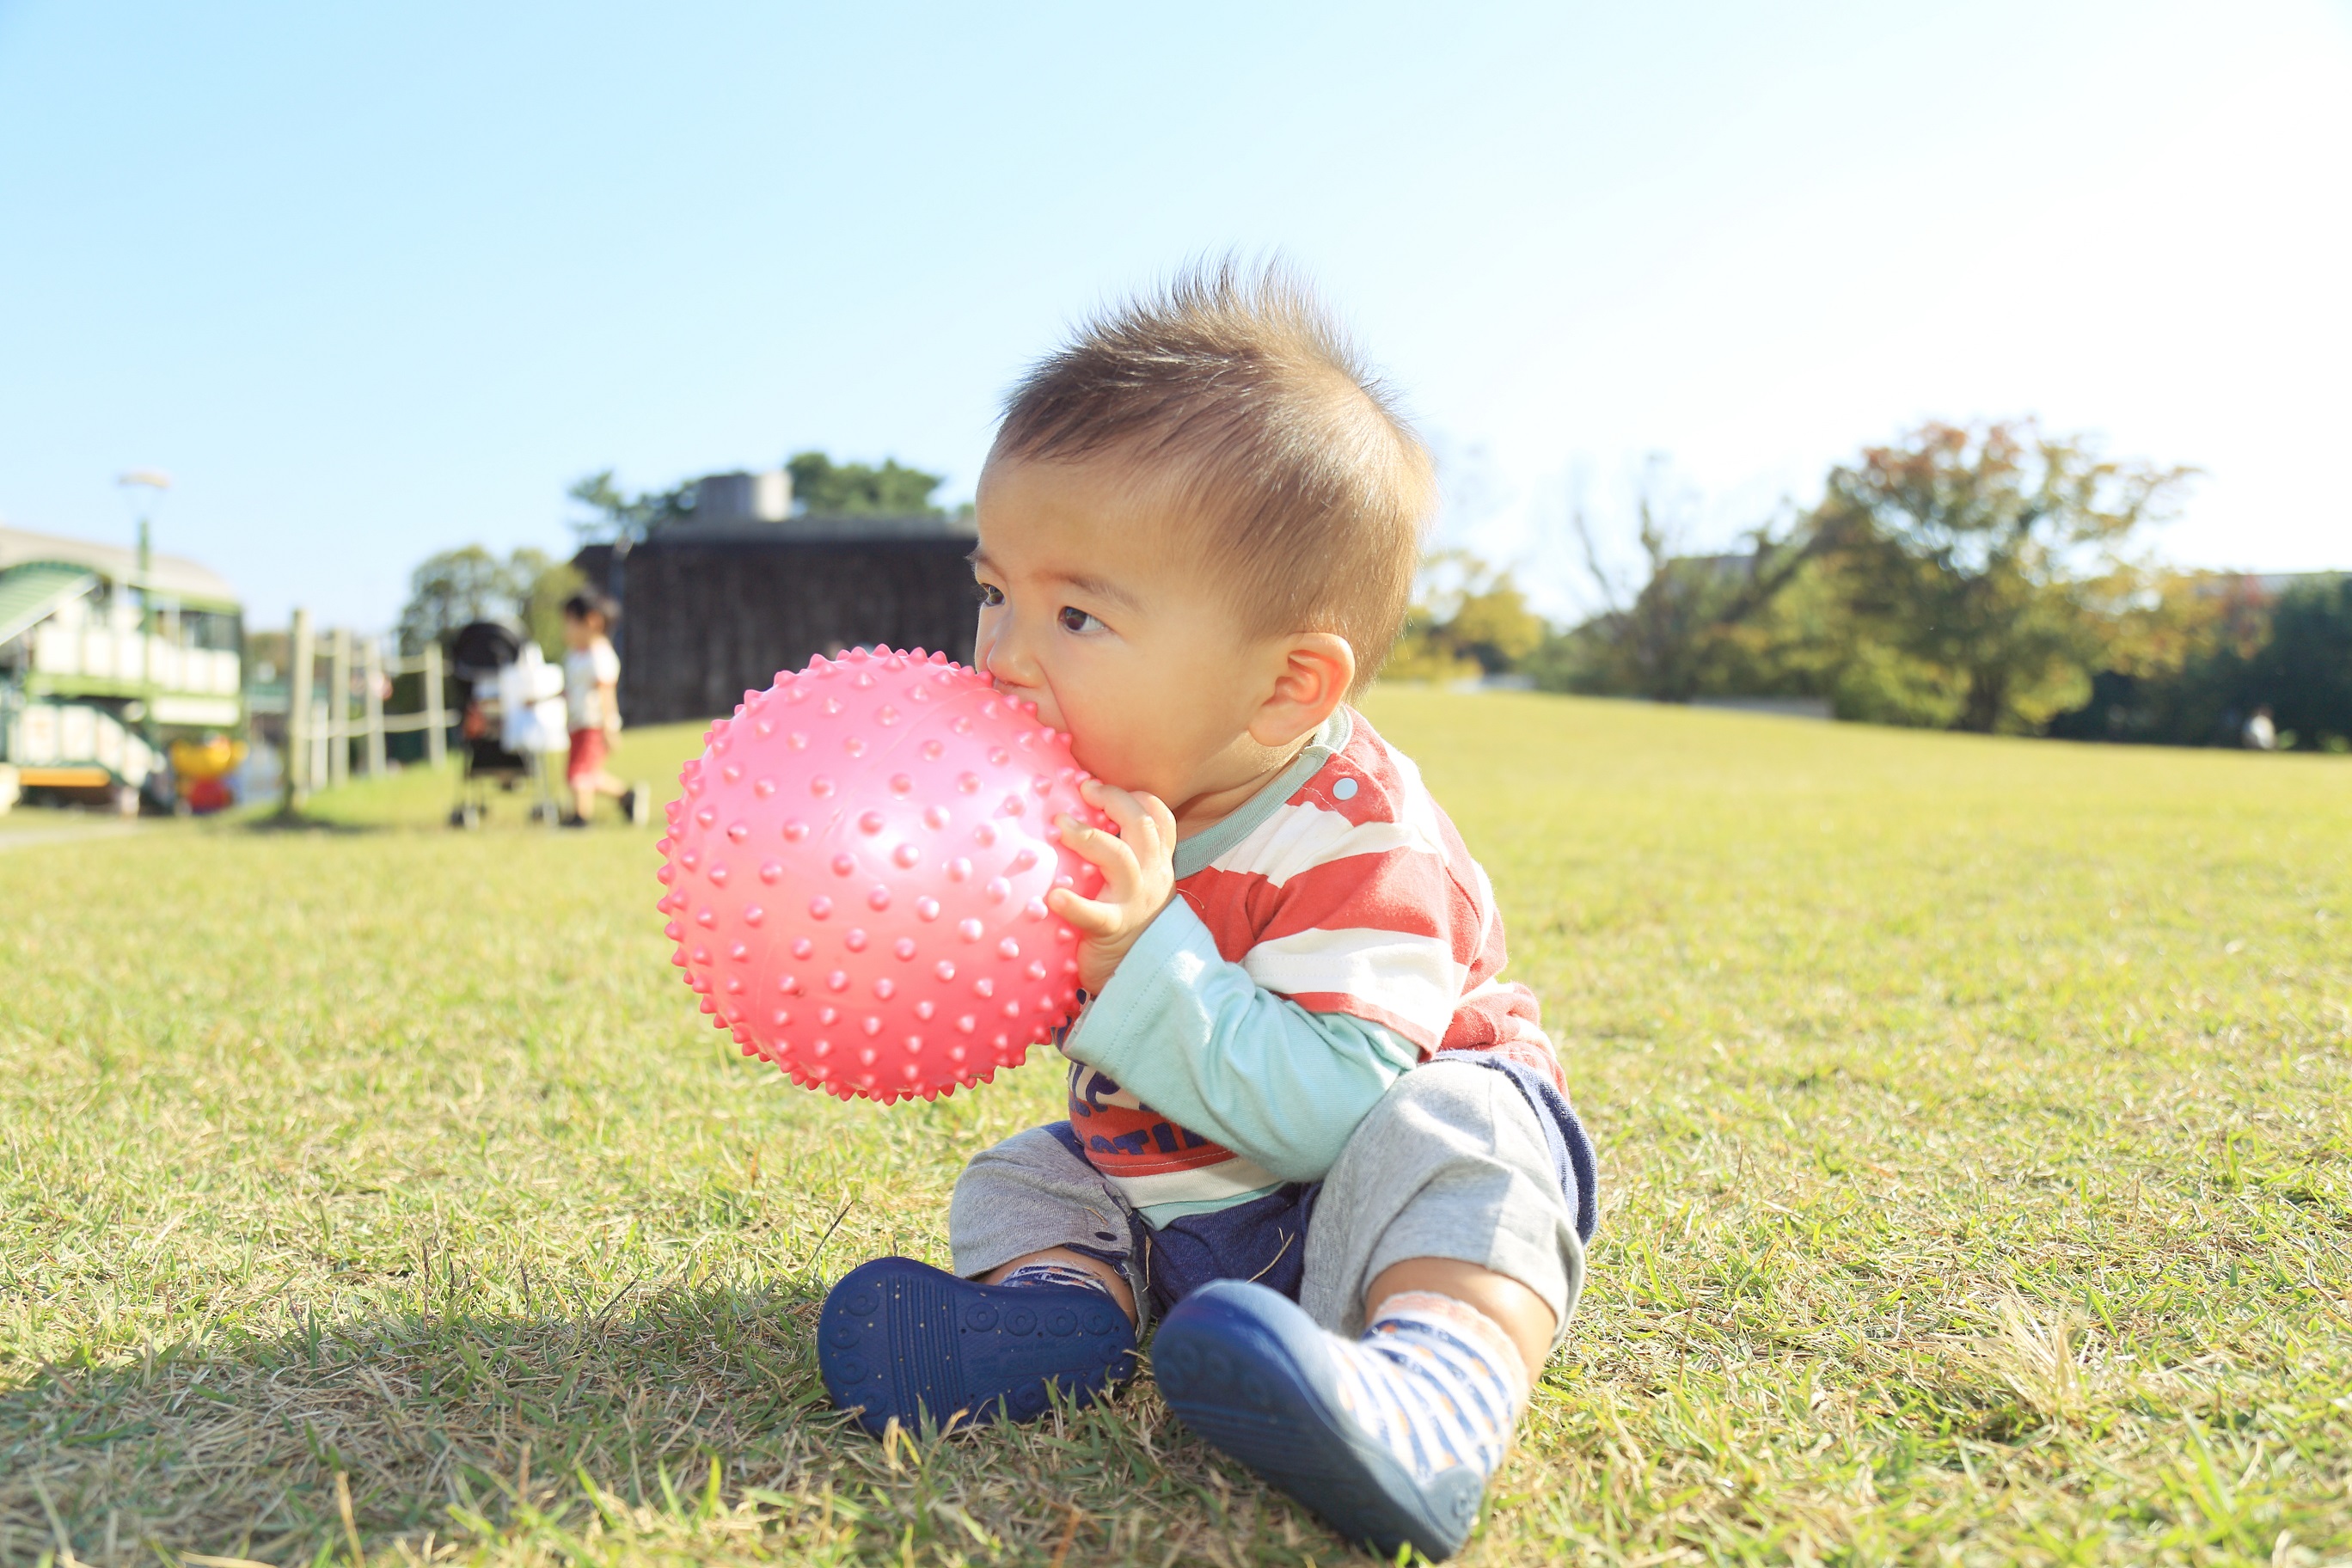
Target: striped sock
[
  {"x": 1053, "y": 1274},
  {"x": 1436, "y": 1381}
]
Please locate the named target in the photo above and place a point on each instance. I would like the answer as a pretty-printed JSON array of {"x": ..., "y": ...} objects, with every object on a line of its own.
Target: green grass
[
  {"x": 1974, "y": 1119},
  {"x": 30, "y": 822}
]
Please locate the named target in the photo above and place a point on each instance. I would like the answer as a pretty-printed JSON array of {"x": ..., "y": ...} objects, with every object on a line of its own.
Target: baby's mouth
[{"x": 1040, "y": 695}]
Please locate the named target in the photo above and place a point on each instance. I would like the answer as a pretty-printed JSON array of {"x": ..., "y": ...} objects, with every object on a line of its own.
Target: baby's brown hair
[{"x": 1312, "y": 488}]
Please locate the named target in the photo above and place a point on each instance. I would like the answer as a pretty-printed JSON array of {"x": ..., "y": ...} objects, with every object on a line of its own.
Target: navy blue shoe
[
  {"x": 901, "y": 1338},
  {"x": 1248, "y": 1370}
]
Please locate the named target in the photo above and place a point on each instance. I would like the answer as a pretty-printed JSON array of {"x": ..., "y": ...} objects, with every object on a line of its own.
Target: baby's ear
[{"x": 1312, "y": 672}]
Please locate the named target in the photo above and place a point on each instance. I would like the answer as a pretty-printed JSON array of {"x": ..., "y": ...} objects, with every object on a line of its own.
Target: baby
[{"x": 1311, "y": 1131}]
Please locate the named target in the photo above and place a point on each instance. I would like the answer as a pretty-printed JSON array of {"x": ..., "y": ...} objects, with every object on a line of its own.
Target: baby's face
[{"x": 1087, "y": 611}]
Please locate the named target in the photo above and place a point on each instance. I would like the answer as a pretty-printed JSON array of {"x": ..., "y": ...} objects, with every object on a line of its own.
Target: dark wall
[{"x": 704, "y": 622}]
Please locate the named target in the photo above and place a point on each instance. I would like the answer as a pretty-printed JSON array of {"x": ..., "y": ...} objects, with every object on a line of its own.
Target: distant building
[{"x": 715, "y": 603}]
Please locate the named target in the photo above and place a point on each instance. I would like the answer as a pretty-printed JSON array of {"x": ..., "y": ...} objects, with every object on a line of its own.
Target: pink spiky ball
[{"x": 856, "y": 876}]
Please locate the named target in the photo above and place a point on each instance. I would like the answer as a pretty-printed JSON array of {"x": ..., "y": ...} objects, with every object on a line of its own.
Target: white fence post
[
  {"x": 298, "y": 779},
  {"x": 338, "y": 706},
  {"x": 437, "y": 742},
  {"x": 372, "y": 677}
]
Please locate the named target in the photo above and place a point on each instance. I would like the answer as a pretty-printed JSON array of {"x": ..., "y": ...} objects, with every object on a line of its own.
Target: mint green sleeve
[{"x": 1195, "y": 1038}]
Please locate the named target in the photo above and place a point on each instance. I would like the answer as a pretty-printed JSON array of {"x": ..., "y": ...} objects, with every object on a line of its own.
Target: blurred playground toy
[
  {"x": 108, "y": 658},
  {"x": 201, "y": 772}
]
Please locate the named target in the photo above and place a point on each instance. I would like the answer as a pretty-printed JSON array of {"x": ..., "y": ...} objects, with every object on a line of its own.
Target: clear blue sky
[{"x": 371, "y": 282}]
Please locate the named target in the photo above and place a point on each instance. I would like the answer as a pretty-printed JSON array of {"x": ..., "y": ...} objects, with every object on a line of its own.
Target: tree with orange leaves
[{"x": 1988, "y": 558}]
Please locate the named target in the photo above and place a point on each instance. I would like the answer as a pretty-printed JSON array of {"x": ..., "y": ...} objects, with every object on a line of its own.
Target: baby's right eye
[{"x": 991, "y": 596}]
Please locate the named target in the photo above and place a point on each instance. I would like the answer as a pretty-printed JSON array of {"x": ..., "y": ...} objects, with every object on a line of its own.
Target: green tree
[
  {"x": 2177, "y": 667},
  {"x": 2304, "y": 671},
  {"x": 541, "y": 583},
  {"x": 456, "y": 587},
  {"x": 819, "y": 486},
  {"x": 615, "y": 515},
  {"x": 828, "y": 489},
  {"x": 449, "y": 590},
  {"x": 2190, "y": 658},
  {"x": 1678, "y": 633},
  {"x": 1468, "y": 619},
  {"x": 1974, "y": 569}
]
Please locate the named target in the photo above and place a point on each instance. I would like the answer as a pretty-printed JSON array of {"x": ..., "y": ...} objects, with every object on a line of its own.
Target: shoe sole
[
  {"x": 1257, "y": 1383},
  {"x": 901, "y": 1339}
]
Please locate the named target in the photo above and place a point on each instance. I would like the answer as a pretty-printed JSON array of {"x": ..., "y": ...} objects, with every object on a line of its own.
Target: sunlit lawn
[{"x": 1973, "y": 1115}]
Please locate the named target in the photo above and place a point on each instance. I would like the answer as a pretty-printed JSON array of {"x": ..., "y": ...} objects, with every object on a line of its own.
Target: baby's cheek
[
  {"x": 1113, "y": 753},
  {"x": 1086, "y": 748},
  {"x": 1051, "y": 712},
  {"x": 1094, "y": 740}
]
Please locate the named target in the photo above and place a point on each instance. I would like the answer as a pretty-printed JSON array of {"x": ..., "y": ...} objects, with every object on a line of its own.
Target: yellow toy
[{"x": 201, "y": 768}]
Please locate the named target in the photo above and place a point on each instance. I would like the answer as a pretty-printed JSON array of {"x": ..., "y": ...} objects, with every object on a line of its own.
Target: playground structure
[
  {"x": 108, "y": 658},
  {"x": 124, "y": 683}
]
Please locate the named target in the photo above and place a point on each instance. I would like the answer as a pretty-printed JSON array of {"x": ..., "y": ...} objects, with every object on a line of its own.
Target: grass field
[{"x": 1975, "y": 1119}]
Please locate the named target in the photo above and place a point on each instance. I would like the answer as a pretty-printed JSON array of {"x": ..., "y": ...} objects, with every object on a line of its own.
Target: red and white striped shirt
[{"x": 1352, "y": 895}]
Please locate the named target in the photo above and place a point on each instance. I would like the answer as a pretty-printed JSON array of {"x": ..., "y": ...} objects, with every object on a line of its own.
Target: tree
[
  {"x": 1492, "y": 625},
  {"x": 1468, "y": 619},
  {"x": 541, "y": 583},
  {"x": 819, "y": 486},
  {"x": 616, "y": 516},
  {"x": 1973, "y": 565},
  {"x": 828, "y": 489},
  {"x": 2304, "y": 672},
  {"x": 1672, "y": 638},
  {"x": 457, "y": 588},
  {"x": 2189, "y": 660},
  {"x": 451, "y": 589},
  {"x": 2176, "y": 668}
]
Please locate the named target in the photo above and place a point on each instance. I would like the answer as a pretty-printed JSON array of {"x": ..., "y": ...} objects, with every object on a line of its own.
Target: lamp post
[{"x": 144, "y": 487}]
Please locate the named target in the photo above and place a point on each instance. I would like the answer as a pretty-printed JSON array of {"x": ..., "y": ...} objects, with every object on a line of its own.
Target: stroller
[{"x": 512, "y": 722}]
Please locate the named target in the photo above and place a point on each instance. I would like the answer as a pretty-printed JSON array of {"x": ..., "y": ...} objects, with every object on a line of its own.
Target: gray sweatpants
[{"x": 1451, "y": 1163}]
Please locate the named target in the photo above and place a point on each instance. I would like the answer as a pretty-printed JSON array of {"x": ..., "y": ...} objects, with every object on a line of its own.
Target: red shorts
[{"x": 588, "y": 750}]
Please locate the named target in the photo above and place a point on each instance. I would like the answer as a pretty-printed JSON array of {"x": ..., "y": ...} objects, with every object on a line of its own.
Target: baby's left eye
[{"x": 1075, "y": 619}]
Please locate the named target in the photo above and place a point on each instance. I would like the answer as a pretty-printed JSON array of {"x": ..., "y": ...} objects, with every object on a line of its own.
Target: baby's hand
[{"x": 1139, "y": 868}]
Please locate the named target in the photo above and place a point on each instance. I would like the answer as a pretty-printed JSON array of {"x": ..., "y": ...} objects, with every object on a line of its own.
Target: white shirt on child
[{"x": 586, "y": 670}]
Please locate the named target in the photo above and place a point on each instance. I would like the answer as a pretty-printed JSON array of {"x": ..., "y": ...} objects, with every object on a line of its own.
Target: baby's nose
[{"x": 1013, "y": 675}]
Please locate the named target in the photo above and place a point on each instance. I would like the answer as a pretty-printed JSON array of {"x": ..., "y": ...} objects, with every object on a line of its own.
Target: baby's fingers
[
  {"x": 1143, "y": 820},
  {"x": 1110, "y": 854},
  {"x": 1164, "y": 821},
  {"x": 1086, "y": 916}
]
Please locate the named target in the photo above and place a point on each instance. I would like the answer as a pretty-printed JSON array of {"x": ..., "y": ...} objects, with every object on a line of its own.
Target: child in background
[
  {"x": 592, "y": 678},
  {"x": 1311, "y": 1131}
]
